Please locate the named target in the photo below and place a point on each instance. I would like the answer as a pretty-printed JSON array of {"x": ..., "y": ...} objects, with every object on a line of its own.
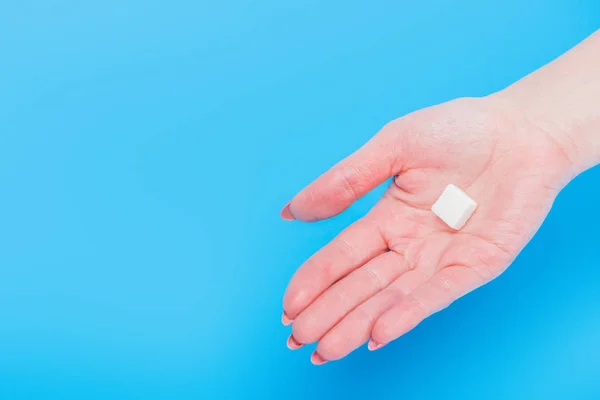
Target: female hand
[
  {"x": 399, "y": 264},
  {"x": 511, "y": 152}
]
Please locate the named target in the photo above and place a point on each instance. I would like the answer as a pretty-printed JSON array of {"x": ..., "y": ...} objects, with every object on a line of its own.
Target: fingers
[
  {"x": 437, "y": 293},
  {"x": 342, "y": 185},
  {"x": 352, "y": 248},
  {"x": 355, "y": 328},
  {"x": 341, "y": 298}
]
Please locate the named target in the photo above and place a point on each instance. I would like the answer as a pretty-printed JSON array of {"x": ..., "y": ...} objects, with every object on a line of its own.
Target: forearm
[{"x": 563, "y": 99}]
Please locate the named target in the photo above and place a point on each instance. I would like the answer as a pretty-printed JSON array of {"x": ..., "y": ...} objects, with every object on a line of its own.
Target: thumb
[{"x": 335, "y": 190}]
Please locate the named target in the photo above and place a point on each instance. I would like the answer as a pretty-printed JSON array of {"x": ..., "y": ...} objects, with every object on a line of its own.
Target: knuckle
[
  {"x": 350, "y": 180},
  {"x": 341, "y": 296},
  {"x": 361, "y": 314},
  {"x": 345, "y": 248},
  {"x": 445, "y": 285},
  {"x": 324, "y": 271},
  {"x": 413, "y": 308},
  {"x": 375, "y": 278}
]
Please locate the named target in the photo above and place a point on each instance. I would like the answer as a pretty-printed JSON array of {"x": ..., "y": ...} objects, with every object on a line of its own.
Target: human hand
[{"x": 400, "y": 263}]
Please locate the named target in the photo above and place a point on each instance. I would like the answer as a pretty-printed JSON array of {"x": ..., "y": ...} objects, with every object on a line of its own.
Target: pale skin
[{"x": 512, "y": 152}]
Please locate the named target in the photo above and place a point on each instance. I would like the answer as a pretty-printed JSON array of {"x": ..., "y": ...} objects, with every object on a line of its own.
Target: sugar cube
[{"x": 454, "y": 207}]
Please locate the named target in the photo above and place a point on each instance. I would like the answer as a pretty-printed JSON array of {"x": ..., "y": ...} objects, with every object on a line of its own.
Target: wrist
[
  {"x": 575, "y": 135},
  {"x": 562, "y": 100},
  {"x": 579, "y": 139}
]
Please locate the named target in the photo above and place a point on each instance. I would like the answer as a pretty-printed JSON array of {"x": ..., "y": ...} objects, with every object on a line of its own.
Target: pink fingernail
[
  {"x": 285, "y": 320},
  {"x": 374, "y": 345},
  {"x": 286, "y": 214},
  {"x": 292, "y": 344},
  {"x": 316, "y": 359}
]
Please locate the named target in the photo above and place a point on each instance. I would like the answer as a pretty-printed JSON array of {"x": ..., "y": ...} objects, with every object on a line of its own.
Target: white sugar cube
[{"x": 454, "y": 207}]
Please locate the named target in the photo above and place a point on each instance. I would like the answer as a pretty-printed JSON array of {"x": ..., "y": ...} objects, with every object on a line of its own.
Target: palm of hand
[{"x": 400, "y": 263}]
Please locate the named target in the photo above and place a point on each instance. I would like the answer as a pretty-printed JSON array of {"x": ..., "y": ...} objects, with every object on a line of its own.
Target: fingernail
[
  {"x": 316, "y": 359},
  {"x": 292, "y": 344},
  {"x": 374, "y": 345},
  {"x": 286, "y": 214},
  {"x": 285, "y": 320}
]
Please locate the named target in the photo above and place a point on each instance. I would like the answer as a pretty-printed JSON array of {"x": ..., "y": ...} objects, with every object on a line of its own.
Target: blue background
[{"x": 147, "y": 147}]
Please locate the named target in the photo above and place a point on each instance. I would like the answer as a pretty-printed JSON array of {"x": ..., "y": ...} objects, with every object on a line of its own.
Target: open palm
[{"x": 399, "y": 264}]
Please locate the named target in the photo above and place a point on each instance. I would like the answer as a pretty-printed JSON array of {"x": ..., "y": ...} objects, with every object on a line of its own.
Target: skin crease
[{"x": 400, "y": 263}]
